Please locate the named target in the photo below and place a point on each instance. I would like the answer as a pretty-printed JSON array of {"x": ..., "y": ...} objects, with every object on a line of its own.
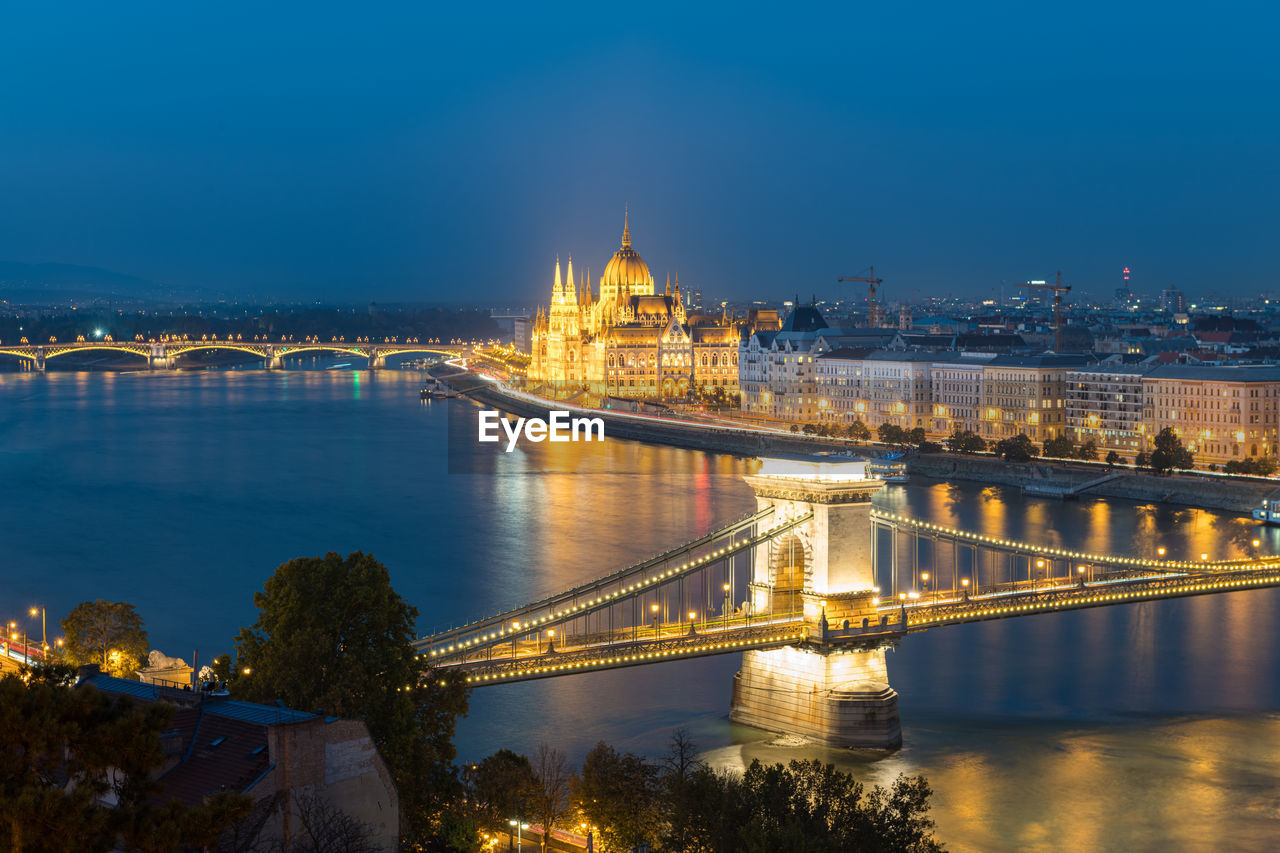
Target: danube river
[{"x": 1144, "y": 727}]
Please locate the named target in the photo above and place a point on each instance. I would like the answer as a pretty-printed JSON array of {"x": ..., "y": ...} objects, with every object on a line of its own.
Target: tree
[
  {"x": 550, "y": 804},
  {"x": 616, "y": 793},
  {"x": 967, "y": 441},
  {"x": 858, "y": 431},
  {"x": 326, "y": 829},
  {"x": 108, "y": 633},
  {"x": 916, "y": 436},
  {"x": 63, "y": 750},
  {"x": 891, "y": 434},
  {"x": 1142, "y": 460},
  {"x": 333, "y": 635},
  {"x": 1113, "y": 459},
  {"x": 1169, "y": 453},
  {"x": 1059, "y": 447},
  {"x": 1263, "y": 466},
  {"x": 1088, "y": 450},
  {"x": 807, "y": 806},
  {"x": 501, "y": 787},
  {"x": 676, "y": 793},
  {"x": 1016, "y": 449}
]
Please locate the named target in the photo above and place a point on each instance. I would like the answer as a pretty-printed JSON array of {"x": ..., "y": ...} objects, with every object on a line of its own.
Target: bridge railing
[
  {"x": 622, "y": 605},
  {"x": 594, "y": 587}
]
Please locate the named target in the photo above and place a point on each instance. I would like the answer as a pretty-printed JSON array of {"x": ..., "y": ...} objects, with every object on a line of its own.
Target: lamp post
[
  {"x": 520, "y": 827},
  {"x": 1080, "y": 569},
  {"x": 728, "y": 605},
  {"x": 692, "y": 620},
  {"x": 964, "y": 587},
  {"x": 653, "y": 608},
  {"x": 551, "y": 634},
  {"x": 44, "y": 636},
  {"x": 924, "y": 582}
]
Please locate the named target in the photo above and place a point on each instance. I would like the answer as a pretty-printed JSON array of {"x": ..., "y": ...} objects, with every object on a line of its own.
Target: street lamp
[
  {"x": 551, "y": 633},
  {"x": 653, "y": 608},
  {"x": 520, "y": 827},
  {"x": 44, "y": 636},
  {"x": 964, "y": 585},
  {"x": 1080, "y": 569},
  {"x": 728, "y": 604},
  {"x": 1160, "y": 551},
  {"x": 692, "y": 617}
]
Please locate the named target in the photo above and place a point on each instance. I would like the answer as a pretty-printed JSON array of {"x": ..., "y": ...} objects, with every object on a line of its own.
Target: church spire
[
  {"x": 558, "y": 292},
  {"x": 668, "y": 284},
  {"x": 570, "y": 289},
  {"x": 626, "y": 227}
]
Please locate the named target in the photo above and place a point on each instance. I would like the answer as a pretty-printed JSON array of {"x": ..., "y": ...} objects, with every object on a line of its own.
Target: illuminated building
[
  {"x": 1220, "y": 413},
  {"x": 630, "y": 341}
]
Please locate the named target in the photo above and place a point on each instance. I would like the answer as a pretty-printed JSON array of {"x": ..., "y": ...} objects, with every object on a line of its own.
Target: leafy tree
[
  {"x": 1142, "y": 460},
  {"x": 1016, "y": 449},
  {"x": 616, "y": 792},
  {"x": 967, "y": 441},
  {"x": 333, "y": 635},
  {"x": 916, "y": 436},
  {"x": 1263, "y": 466},
  {"x": 809, "y": 429},
  {"x": 1169, "y": 453},
  {"x": 108, "y": 633},
  {"x": 858, "y": 431},
  {"x": 1060, "y": 447},
  {"x": 930, "y": 447},
  {"x": 64, "y": 749},
  {"x": 891, "y": 434},
  {"x": 1113, "y": 459},
  {"x": 1088, "y": 450},
  {"x": 221, "y": 666},
  {"x": 501, "y": 787},
  {"x": 551, "y": 798},
  {"x": 807, "y": 806}
]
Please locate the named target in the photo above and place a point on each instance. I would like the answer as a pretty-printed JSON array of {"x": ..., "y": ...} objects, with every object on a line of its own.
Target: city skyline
[{"x": 406, "y": 155}]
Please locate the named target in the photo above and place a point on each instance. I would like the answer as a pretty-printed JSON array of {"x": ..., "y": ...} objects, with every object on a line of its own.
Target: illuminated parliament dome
[{"x": 626, "y": 274}]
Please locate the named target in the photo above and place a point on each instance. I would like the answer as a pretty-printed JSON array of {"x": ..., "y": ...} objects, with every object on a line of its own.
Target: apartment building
[
  {"x": 956, "y": 394},
  {"x": 1026, "y": 394},
  {"x": 1220, "y": 413},
  {"x": 1105, "y": 404},
  {"x": 777, "y": 371}
]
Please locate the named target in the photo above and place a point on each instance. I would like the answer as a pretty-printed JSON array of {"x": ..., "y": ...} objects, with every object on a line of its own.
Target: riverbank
[
  {"x": 1236, "y": 494},
  {"x": 1232, "y": 495},
  {"x": 656, "y": 429}
]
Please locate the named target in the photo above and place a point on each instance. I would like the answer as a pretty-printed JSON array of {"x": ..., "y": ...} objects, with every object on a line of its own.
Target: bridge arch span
[{"x": 55, "y": 350}]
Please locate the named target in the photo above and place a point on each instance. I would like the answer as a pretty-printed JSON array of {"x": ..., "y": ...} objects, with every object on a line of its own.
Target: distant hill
[{"x": 43, "y": 281}]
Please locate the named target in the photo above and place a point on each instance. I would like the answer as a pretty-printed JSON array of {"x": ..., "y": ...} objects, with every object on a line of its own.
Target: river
[{"x": 1144, "y": 727}]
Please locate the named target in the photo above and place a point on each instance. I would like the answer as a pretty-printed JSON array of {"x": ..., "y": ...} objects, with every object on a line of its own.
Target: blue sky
[{"x": 413, "y": 151}]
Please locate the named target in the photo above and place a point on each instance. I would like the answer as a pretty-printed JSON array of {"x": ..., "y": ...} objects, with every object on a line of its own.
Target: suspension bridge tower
[{"x": 837, "y": 694}]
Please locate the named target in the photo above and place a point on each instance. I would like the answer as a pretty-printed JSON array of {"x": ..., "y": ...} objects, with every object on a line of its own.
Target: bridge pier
[
  {"x": 833, "y": 694},
  {"x": 377, "y": 360}
]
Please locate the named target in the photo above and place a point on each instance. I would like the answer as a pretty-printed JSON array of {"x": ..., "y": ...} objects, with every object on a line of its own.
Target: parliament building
[{"x": 631, "y": 341}]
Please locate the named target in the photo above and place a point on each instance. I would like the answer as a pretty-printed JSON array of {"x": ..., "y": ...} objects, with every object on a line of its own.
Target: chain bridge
[
  {"x": 165, "y": 354},
  {"x": 812, "y": 589}
]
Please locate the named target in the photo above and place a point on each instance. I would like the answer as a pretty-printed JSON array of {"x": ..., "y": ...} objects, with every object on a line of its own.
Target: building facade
[{"x": 1220, "y": 413}]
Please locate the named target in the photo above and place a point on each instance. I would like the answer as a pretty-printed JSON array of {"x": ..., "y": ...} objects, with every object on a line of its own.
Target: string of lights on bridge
[
  {"x": 1041, "y": 550},
  {"x": 637, "y": 658},
  {"x": 607, "y": 599}
]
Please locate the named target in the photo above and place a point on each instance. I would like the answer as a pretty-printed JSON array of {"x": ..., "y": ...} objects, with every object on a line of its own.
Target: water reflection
[{"x": 1146, "y": 726}]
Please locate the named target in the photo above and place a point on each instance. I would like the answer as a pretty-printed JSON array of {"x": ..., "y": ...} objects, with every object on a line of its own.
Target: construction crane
[
  {"x": 873, "y": 307},
  {"x": 1058, "y": 289}
]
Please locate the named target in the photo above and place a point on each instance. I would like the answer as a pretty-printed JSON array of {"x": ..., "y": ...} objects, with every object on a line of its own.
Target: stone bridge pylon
[{"x": 837, "y": 695}]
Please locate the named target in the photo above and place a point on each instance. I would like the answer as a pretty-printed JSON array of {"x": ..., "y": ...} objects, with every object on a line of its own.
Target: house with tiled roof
[{"x": 282, "y": 758}]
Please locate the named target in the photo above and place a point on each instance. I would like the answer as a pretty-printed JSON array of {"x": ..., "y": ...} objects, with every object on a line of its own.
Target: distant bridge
[
  {"x": 165, "y": 354},
  {"x": 814, "y": 586}
]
